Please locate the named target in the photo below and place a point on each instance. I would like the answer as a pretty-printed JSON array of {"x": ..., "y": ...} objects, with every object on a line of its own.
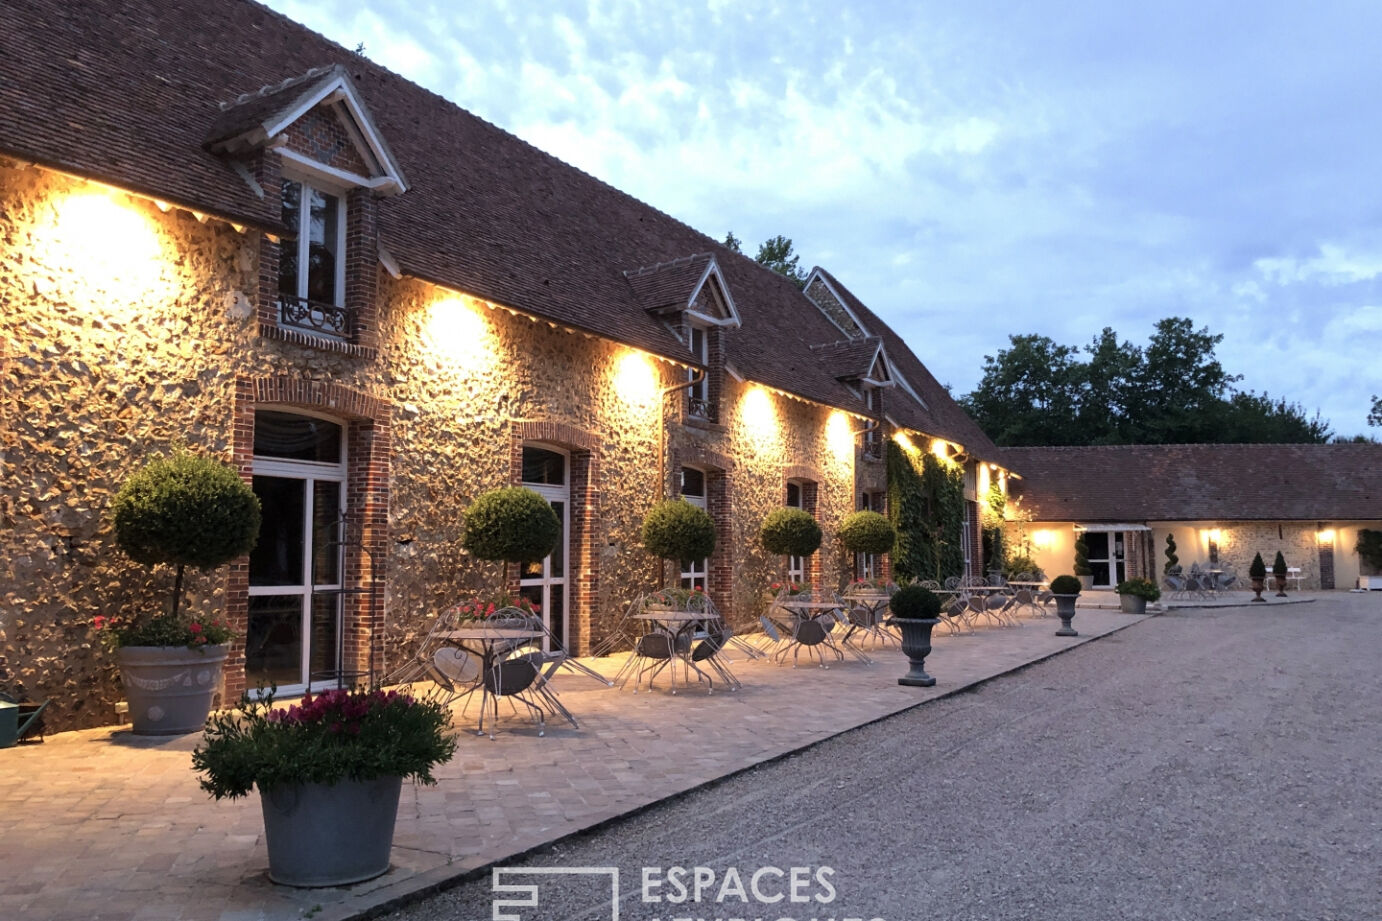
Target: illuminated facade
[{"x": 298, "y": 275}]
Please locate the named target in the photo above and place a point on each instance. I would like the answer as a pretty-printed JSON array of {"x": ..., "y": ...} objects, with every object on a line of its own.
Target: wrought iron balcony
[
  {"x": 695, "y": 406},
  {"x": 871, "y": 450},
  {"x": 316, "y": 317}
]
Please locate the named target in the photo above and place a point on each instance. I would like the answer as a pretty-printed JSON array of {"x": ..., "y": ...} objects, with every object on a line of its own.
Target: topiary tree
[
  {"x": 912, "y": 602},
  {"x": 867, "y": 532},
  {"x": 1279, "y": 566},
  {"x": 1257, "y": 569},
  {"x": 1066, "y": 585},
  {"x": 677, "y": 530},
  {"x": 185, "y": 510},
  {"x": 512, "y": 524},
  {"x": 1082, "y": 567},
  {"x": 790, "y": 532},
  {"x": 1172, "y": 561}
]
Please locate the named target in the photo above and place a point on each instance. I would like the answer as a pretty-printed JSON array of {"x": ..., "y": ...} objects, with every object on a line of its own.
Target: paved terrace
[{"x": 102, "y": 825}]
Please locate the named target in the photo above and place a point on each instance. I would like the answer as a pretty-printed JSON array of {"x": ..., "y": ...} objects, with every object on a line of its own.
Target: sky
[{"x": 974, "y": 170}]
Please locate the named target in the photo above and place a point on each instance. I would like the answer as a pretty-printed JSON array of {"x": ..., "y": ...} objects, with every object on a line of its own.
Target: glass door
[
  {"x": 1106, "y": 557},
  {"x": 796, "y": 565},
  {"x": 693, "y": 572},
  {"x": 543, "y": 583},
  {"x": 296, "y": 572}
]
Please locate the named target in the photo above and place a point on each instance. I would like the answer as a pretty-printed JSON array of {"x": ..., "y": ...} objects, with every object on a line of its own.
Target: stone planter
[
  {"x": 170, "y": 688},
  {"x": 1065, "y": 610},
  {"x": 916, "y": 646},
  {"x": 1257, "y": 586},
  {"x": 330, "y": 834},
  {"x": 1132, "y": 604},
  {"x": 1280, "y": 586}
]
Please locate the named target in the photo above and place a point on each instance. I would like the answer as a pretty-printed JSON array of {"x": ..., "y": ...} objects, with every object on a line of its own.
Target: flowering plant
[
  {"x": 677, "y": 598},
  {"x": 878, "y": 584},
  {"x": 482, "y": 608},
  {"x": 162, "y": 630},
  {"x": 351, "y": 734},
  {"x": 790, "y": 589}
]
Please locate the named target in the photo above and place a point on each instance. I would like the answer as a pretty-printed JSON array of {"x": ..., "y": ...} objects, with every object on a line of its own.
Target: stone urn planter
[
  {"x": 330, "y": 834},
  {"x": 1257, "y": 587},
  {"x": 1065, "y": 589},
  {"x": 170, "y": 688},
  {"x": 916, "y": 646}
]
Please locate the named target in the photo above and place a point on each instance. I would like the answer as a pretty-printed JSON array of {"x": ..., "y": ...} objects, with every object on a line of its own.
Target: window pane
[
  {"x": 544, "y": 467},
  {"x": 296, "y": 437},
  {"x": 322, "y": 660},
  {"x": 273, "y": 642},
  {"x": 326, "y": 547},
  {"x": 557, "y": 569},
  {"x": 555, "y": 609},
  {"x": 1097, "y": 542},
  {"x": 793, "y": 495},
  {"x": 288, "y": 249},
  {"x": 324, "y": 215},
  {"x": 692, "y": 482},
  {"x": 277, "y": 558}
]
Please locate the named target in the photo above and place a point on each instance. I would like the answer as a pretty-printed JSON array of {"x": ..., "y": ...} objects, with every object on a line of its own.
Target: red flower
[{"x": 195, "y": 627}]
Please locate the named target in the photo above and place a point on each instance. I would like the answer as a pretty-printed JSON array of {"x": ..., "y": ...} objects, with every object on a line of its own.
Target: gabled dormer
[
  {"x": 310, "y": 146},
  {"x": 828, "y": 300},
  {"x": 862, "y": 364},
  {"x": 691, "y": 296}
]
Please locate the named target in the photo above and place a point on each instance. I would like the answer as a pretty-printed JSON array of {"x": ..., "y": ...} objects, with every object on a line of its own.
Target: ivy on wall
[
  {"x": 994, "y": 545},
  {"x": 927, "y": 508}
]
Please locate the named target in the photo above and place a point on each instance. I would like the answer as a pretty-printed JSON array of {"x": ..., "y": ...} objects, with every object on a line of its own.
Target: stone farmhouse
[{"x": 219, "y": 230}]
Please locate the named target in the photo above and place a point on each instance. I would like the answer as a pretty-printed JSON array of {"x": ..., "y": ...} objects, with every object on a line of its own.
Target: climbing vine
[
  {"x": 927, "y": 508},
  {"x": 992, "y": 521}
]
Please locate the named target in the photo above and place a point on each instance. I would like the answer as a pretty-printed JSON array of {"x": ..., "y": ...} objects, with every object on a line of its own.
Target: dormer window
[
  {"x": 698, "y": 394},
  {"x": 873, "y": 435},
  {"x": 311, "y": 270}
]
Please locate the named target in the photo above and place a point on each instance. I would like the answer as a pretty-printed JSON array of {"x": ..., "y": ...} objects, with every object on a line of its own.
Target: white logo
[{"x": 525, "y": 895}]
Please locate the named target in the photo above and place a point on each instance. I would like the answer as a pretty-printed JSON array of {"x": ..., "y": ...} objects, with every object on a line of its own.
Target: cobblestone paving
[{"x": 102, "y": 825}]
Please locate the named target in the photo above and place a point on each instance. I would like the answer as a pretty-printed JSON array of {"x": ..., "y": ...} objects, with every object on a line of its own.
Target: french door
[
  {"x": 546, "y": 471},
  {"x": 694, "y": 572},
  {"x": 796, "y": 565},
  {"x": 297, "y": 567},
  {"x": 1106, "y": 557}
]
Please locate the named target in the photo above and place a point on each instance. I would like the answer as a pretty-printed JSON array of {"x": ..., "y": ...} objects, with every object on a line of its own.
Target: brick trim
[
  {"x": 557, "y": 433},
  {"x": 699, "y": 456},
  {"x": 802, "y": 472},
  {"x": 368, "y": 452}
]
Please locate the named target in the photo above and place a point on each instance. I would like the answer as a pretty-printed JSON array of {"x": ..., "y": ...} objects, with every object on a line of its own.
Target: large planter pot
[
  {"x": 1086, "y": 583},
  {"x": 1065, "y": 610},
  {"x": 1280, "y": 586},
  {"x": 170, "y": 688},
  {"x": 1132, "y": 604},
  {"x": 916, "y": 646},
  {"x": 1257, "y": 586},
  {"x": 330, "y": 834}
]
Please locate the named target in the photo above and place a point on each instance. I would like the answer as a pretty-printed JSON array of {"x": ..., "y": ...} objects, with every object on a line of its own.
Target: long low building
[
  {"x": 220, "y": 230},
  {"x": 1220, "y": 504}
]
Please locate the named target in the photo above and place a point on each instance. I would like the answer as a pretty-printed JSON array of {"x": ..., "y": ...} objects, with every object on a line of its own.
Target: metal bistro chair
[
  {"x": 420, "y": 665},
  {"x": 708, "y": 651}
]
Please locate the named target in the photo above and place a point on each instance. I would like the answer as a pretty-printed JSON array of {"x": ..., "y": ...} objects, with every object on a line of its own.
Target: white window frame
[
  {"x": 328, "y": 186},
  {"x": 696, "y": 572},
  {"x": 546, "y": 580},
  {"x": 700, "y": 389},
  {"x": 796, "y": 565}
]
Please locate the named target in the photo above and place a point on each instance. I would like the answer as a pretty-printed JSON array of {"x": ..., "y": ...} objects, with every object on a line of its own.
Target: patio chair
[
  {"x": 456, "y": 672},
  {"x": 955, "y": 615},
  {"x": 420, "y": 664},
  {"x": 621, "y": 635},
  {"x": 512, "y": 679},
  {"x": 708, "y": 651}
]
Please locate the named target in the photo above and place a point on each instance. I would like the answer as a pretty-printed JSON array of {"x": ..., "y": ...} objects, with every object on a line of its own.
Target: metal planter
[
  {"x": 170, "y": 688},
  {"x": 330, "y": 834}
]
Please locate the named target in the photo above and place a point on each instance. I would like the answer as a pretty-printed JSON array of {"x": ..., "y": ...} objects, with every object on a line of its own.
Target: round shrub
[
  {"x": 1066, "y": 585},
  {"x": 790, "y": 532},
  {"x": 513, "y": 524},
  {"x": 677, "y": 530},
  {"x": 867, "y": 532},
  {"x": 1139, "y": 588},
  {"x": 912, "y": 602},
  {"x": 185, "y": 510}
]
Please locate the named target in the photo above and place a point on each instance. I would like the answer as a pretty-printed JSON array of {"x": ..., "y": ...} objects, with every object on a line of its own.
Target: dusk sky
[{"x": 979, "y": 169}]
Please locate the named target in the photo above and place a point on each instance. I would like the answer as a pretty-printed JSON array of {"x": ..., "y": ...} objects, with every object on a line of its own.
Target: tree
[
  {"x": 1375, "y": 414},
  {"x": 1030, "y": 394},
  {"x": 774, "y": 253},
  {"x": 732, "y": 242}
]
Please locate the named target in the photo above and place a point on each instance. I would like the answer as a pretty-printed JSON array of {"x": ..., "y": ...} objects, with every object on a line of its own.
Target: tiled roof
[
  {"x": 267, "y": 105},
  {"x": 941, "y": 415},
  {"x": 129, "y": 92},
  {"x": 849, "y": 358},
  {"x": 668, "y": 285},
  {"x": 1200, "y": 482}
]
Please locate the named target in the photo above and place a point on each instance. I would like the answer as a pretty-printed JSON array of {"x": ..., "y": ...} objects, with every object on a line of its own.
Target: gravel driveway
[{"x": 1202, "y": 765}]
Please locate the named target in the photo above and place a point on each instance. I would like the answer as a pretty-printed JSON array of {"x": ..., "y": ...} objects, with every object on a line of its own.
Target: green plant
[
  {"x": 1172, "y": 561},
  {"x": 355, "y": 734},
  {"x": 1369, "y": 548},
  {"x": 790, "y": 589},
  {"x": 183, "y": 510},
  {"x": 927, "y": 509},
  {"x": 676, "y": 597},
  {"x": 912, "y": 602},
  {"x": 867, "y": 532},
  {"x": 677, "y": 530},
  {"x": 1021, "y": 563},
  {"x": 1279, "y": 566},
  {"x": 790, "y": 532},
  {"x": 1257, "y": 569},
  {"x": 513, "y": 524},
  {"x": 1066, "y": 585},
  {"x": 1139, "y": 588},
  {"x": 1082, "y": 567},
  {"x": 481, "y": 608}
]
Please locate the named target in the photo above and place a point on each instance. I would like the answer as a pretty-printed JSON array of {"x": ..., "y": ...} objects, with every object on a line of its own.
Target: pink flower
[{"x": 195, "y": 627}]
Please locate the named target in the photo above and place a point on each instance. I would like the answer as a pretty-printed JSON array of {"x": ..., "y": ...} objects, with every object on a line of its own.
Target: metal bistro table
[
  {"x": 680, "y": 628},
  {"x": 806, "y": 612},
  {"x": 1034, "y": 588},
  {"x": 489, "y": 643},
  {"x": 875, "y": 603}
]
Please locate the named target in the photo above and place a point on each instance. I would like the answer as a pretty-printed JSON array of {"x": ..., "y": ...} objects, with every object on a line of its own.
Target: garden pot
[
  {"x": 170, "y": 688},
  {"x": 1065, "y": 610},
  {"x": 1132, "y": 604},
  {"x": 330, "y": 834},
  {"x": 1086, "y": 582},
  {"x": 916, "y": 646},
  {"x": 1280, "y": 586},
  {"x": 1257, "y": 586}
]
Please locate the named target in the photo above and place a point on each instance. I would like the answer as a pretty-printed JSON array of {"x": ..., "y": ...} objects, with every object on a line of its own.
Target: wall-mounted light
[
  {"x": 1042, "y": 538},
  {"x": 1324, "y": 536}
]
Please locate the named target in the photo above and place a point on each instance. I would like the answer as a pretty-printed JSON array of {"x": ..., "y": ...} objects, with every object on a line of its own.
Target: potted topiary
[
  {"x": 867, "y": 532},
  {"x": 790, "y": 532},
  {"x": 512, "y": 524},
  {"x": 329, "y": 772},
  {"x": 1172, "y": 564},
  {"x": 677, "y": 530},
  {"x": 1133, "y": 595},
  {"x": 183, "y": 510},
  {"x": 1082, "y": 567},
  {"x": 1257, "y": 572},
  {"x": 1065, "y": 589},
  {"x": 1279, "y": 571},
  {"x": 914, "y": 610}
]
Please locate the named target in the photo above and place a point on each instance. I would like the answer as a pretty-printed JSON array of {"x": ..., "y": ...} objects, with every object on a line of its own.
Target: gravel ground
[{"x": 1201, "y": 765}]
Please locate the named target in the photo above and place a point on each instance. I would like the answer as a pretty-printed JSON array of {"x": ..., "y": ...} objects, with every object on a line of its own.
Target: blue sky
[{"x": 973, "y": 170}]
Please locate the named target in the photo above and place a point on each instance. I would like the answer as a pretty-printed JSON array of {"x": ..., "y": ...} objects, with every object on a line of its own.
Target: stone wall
[{"x": 126, "y": 331}]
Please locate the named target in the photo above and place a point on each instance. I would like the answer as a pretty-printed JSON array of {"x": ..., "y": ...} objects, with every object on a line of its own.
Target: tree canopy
[
  {"x": 774, "y": 253},
  {"x": 1173, "y": 390}
]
